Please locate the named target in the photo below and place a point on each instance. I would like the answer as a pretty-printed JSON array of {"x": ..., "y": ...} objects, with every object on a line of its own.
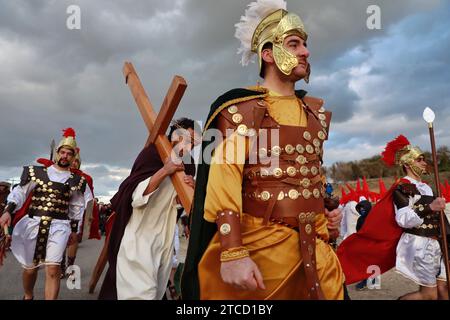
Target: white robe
[
  {"x": 145, "y": 255},
  {"x": 350, "y": 218},
  {"x": 25, "y": 231},
  {"x": 418, "y": 258}
]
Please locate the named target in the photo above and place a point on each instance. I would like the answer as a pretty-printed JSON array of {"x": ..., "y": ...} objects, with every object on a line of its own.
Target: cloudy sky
[{"x": 376, "y": 82}]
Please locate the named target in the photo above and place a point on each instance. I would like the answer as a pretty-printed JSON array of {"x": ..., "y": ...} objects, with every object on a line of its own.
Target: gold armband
[{"x": 234, "y": 254}]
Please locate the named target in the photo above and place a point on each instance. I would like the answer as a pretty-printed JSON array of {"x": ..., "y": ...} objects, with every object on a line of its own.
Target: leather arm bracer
[{"x": 230, "y": 236}]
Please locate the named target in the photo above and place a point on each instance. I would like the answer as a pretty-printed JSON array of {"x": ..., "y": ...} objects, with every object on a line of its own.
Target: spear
[
  {"x": 52, "y": 148},
  {"x": 429, "y": 116}
]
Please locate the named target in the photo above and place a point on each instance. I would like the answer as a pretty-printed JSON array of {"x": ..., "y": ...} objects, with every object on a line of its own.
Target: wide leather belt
[
  {"x": 53, "y": 215},
  {"x": 304, "y": 222}
]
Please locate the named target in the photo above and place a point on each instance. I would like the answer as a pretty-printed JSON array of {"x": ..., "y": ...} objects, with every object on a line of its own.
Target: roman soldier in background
[
  {"x": 52, "y": 219},
  {"x": 402, "y": 229}
]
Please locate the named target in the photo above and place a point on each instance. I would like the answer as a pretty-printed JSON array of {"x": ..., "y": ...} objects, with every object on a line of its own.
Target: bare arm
[{"x": 169, "y": 168}]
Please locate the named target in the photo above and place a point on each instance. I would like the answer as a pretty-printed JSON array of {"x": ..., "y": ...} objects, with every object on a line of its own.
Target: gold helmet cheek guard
[
  {"x": 286, "y": 24},
  {"x": 409, "y": 160}
]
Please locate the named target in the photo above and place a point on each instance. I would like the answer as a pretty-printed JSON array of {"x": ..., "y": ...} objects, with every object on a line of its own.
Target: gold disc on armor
[
  {"x": 265, "y": 195},
  {"x": 39, "y": 207},
  {"x": 30, "y": 167},
  {"x": 302, "y": 217},
  {"x": 43, "y": 231},
  {"x": 32, "y": 174},
  {"x": 314, "y": 170},
  {"x": 305, "y": 183},
  {"x": 242, "y": 129},
  {"x": 307, "y": 135},
  {"x": 237, "y": 118},
  {"x": 42, "y": 198},
  {"x": 33, "y": 178},
  {"x": 304, "y": 170},
  {"x": 316, "y": 142},
  {"x": 323, "y": 123},
  {"x": 293, "y": 194},
  {"x": 45, "y": 223},
  {"x": 309, "y": 149},
  {"x": 322, "y": 116},
  {"x": 50, "y": 183},
  {"x": 41, "y": 240},
  {"x": 322, "y": 109},
  {"x": 321, "y": 135},
  {"x": 277, "y": 172},
  {"x": 232, "y": 109},
  {"x": 308, "y": 230},
  {"x": 289, "y": 148},
  {"x": 300, "y": 148},
  {"x": 276, "y": 151},
  {"x": 306, "y": 194},
  {"x": 49, "y": 204},
  {"x": 301, "y": 159},
  {"x": 317, "y": 150},
  {"x": 44, "y": 190},
  {"x": 73, "y": 188},
  {"x": 225, "y": 229},
  {"x": 280, "y": 196},
  {"x": 45, "y": 209},
  {"x": 316, "y": 193},
  {"x": 40, "y": 182},
  {"x": 291, "y": 171}
]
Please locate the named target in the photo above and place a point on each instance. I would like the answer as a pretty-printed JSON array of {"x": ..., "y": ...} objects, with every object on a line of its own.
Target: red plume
[
  {"x": 388, "y": 155},
  {"x": 69, "y": 132}
]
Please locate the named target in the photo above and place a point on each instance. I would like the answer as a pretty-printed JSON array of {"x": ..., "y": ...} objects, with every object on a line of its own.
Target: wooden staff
[{"x": 429, "y": 117}]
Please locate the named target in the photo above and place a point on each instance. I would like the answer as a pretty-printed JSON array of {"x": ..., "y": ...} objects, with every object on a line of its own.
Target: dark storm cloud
[{"x": 53, "y": 77}]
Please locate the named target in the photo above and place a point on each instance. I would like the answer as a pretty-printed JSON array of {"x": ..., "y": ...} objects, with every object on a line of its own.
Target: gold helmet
[
  {"x": 267, "y": 21},
  {"x": 400, "y": 152},
  {"x": 67, "y": 141}
]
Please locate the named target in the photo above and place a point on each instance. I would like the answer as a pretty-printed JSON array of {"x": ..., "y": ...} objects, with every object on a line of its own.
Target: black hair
[
  {"x": 262, "y": 72},
  {"x": 184, "y": 123}
]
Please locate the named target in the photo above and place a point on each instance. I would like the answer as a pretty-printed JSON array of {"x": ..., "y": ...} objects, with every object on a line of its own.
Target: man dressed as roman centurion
[
  {"x": 259, "y": 227},
  {"x": 402, "y": 230},
  {"x": 52, "y": 219}
]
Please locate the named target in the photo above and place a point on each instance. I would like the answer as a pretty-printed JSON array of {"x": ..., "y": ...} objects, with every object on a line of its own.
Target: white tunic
[
  {"x": 350, "y": 218},
  {"x": 25, "y": 231},
  {"x": 418, "y": 258},
  {"x": 145, "y": 256}
]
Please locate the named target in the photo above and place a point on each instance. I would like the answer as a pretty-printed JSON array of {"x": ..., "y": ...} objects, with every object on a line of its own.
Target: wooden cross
[{"x": 158, "y": 124}]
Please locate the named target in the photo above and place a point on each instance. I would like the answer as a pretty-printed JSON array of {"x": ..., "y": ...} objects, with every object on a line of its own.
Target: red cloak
[{"x": 374, "y": 244}]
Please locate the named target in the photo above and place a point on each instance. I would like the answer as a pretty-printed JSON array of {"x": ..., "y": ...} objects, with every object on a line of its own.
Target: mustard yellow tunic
[{"x": 274, "y": 248}]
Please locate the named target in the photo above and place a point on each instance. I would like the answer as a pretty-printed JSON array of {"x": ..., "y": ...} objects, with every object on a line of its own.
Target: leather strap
[{"x": 307, "y": 235}]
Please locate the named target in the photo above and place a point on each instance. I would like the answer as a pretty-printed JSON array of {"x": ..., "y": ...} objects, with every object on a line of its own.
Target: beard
[{"x": 63, "y": 163}]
